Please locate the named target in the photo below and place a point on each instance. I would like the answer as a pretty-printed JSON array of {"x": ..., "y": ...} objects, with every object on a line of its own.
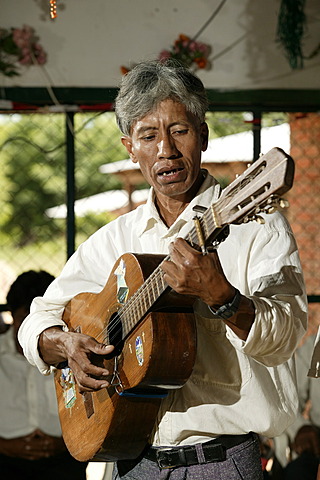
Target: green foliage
[
  {"x": 34, "y": 174},
  {"x": 227, "y": 123},
  {"x": 33, "y": 158},
  {"x": 97, "y": 142},
  {"x": 222, "y": 124},
  {"x": 90, "y": 223}
]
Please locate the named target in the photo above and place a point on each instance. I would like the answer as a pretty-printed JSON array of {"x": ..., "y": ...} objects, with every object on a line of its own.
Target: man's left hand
[{"x": 189, "y": 272}]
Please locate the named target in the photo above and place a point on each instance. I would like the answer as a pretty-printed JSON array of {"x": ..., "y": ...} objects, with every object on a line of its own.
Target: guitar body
[{"x": 116, "y": 422}]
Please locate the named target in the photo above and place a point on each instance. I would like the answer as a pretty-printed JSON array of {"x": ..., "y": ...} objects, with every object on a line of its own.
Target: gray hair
[{"x": 149, "y": 83}]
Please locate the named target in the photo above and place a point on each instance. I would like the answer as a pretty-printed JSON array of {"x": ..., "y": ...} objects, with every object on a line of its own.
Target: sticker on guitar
[
  {"x": 122, "y": 287},
  {"x": 67, "y": 382}
]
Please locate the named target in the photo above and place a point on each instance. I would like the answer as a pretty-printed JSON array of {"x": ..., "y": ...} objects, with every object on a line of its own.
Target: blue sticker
[{"x": 139, "y": 350}]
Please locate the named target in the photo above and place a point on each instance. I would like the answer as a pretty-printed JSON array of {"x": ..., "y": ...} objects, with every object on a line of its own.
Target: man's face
[{"x": 167, "y": 143}]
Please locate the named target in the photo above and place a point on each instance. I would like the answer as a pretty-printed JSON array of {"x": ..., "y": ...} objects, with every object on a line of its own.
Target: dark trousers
[
  {"x": 242, "y": 463},
  {"x": 59, "y": 467}
]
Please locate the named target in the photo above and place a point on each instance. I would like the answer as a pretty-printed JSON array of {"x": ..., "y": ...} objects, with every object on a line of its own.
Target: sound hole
[{"x": 115, "y": 333}]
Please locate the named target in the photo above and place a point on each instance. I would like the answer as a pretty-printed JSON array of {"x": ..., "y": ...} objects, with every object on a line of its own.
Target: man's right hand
[{"x": 56, "y": 346}]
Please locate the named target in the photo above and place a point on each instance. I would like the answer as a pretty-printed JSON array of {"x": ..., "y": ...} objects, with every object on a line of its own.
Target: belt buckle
[{"x": 160, "y": 460}]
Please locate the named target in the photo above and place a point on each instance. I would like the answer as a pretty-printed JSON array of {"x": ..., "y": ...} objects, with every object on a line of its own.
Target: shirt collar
[{"x": 208, "y": 193}]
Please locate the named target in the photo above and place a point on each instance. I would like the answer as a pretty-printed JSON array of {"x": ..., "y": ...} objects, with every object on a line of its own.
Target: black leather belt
[{"x": 213, "y": 451}]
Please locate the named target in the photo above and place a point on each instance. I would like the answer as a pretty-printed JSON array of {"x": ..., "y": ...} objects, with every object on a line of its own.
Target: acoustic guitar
[{"x": 152, "y": 327}]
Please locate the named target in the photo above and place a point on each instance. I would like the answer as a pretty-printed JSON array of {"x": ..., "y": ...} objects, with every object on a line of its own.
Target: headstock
[{"x": 256, "y": 190}]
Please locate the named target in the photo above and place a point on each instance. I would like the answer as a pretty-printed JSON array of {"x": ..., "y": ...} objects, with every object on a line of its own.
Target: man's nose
[{"x": 167, "y": 147}]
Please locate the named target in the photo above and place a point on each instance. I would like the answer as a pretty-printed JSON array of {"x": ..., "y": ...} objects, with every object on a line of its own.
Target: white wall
[{"x": 91, "y": 39}]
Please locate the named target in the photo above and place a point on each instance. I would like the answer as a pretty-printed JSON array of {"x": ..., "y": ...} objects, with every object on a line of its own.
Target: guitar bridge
[{"x": 116, "y": 380}]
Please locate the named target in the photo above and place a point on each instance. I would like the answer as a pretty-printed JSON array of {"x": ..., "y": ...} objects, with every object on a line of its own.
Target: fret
[
  {"x": 190, "y": 238},
  {"x": 215, "y": 218},
  {"x": 163, "y": 283},
  {"x": 126, "y": 324},
  {"x": 138, "y": 310},
  {"x": 149, "y": 297},
  {"x": 158, "y": 289},
  {"x": 144, "y": 300},
  {"x": 204, "y": 227},
  {"x": 153, "y": 292},
  {"x": 132, "y": 318}
]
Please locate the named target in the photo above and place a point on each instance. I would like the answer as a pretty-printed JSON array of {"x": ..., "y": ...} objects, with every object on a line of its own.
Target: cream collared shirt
[
  {"x": 236, "y": 386},
  {"x": 28, "y": 399}
]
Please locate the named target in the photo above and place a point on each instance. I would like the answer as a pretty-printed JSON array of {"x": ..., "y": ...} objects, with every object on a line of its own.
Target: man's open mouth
[{"x": 170, "y": 172}]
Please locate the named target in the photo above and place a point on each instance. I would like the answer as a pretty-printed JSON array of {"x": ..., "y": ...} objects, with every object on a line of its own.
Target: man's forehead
[{"x": 169, "y": 111}]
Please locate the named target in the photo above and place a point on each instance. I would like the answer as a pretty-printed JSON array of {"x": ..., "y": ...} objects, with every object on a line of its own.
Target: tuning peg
[
  {"x": 270, "y": 209},
  {"x": 283, "y": 203},
  {"x": 259, "y": 219},
  {"x": 256, "y": 218}
]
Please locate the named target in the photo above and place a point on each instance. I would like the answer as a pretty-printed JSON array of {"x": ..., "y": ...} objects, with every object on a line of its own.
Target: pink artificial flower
[
  {"x": 25, "y": 51},
  {"x": 202, "y": 47},
  {"x": 26, "y": 60},
  {"x": 23, "y": 37},
  {"x": 18, "y": 38},
  {"x": 193, "y": 46},
  {"x": 164, "y": 55},
  {"x": 40, "y": 54}
]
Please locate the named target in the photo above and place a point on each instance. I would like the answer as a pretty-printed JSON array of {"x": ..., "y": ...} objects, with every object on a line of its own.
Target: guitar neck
[{"x": 142, "y": 300}]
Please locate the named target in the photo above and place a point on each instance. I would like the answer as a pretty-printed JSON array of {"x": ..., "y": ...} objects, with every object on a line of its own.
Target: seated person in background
[
  {"x": 31, "y": 446},
  {"x": 272, "y": 469},
  {"x": 305, "y": 432},
  {"x": 315, "y": 371}
]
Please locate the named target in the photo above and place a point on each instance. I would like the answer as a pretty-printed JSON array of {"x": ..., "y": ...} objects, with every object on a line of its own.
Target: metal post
[
  {"x": 70, "y": 183},
  {"x": 256, "y": 129}
]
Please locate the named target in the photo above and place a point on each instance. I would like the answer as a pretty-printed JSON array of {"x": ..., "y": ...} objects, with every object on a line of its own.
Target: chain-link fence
[{"x": 52, "y": 168}]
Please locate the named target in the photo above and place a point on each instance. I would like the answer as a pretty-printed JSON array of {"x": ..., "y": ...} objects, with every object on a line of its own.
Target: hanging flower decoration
[
  {"x": 19, "y": 46},
  {"x": 190, "y": 53}
]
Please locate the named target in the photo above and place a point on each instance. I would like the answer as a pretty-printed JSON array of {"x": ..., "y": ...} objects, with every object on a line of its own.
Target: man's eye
[
  {"x": 148, "y": 137},
  {"x": 183, "y": 131}
]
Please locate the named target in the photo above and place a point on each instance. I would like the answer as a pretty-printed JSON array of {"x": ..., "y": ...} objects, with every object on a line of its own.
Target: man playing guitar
[{"x": 249, "y": 297}]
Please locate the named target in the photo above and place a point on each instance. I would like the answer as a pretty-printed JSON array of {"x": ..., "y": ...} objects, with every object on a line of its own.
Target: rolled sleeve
[
  {"x": 273, "y": 280},
  {"x": 38, "y": 320}
]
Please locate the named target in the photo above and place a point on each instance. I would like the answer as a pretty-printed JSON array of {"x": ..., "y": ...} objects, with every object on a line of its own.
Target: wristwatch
[{"x": 228, "y": 309}]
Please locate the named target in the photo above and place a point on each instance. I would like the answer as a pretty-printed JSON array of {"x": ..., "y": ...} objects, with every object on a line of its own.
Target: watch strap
[{"x": 228, "y": 309}]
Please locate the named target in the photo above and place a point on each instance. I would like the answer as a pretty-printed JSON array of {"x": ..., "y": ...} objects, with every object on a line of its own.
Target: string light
[{"x": 53, "y": 9}]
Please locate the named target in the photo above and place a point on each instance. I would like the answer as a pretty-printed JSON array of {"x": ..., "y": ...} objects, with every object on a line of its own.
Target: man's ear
[
  {"x": 127, "y": 143},
  {"x": 204, "y": 132}
]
